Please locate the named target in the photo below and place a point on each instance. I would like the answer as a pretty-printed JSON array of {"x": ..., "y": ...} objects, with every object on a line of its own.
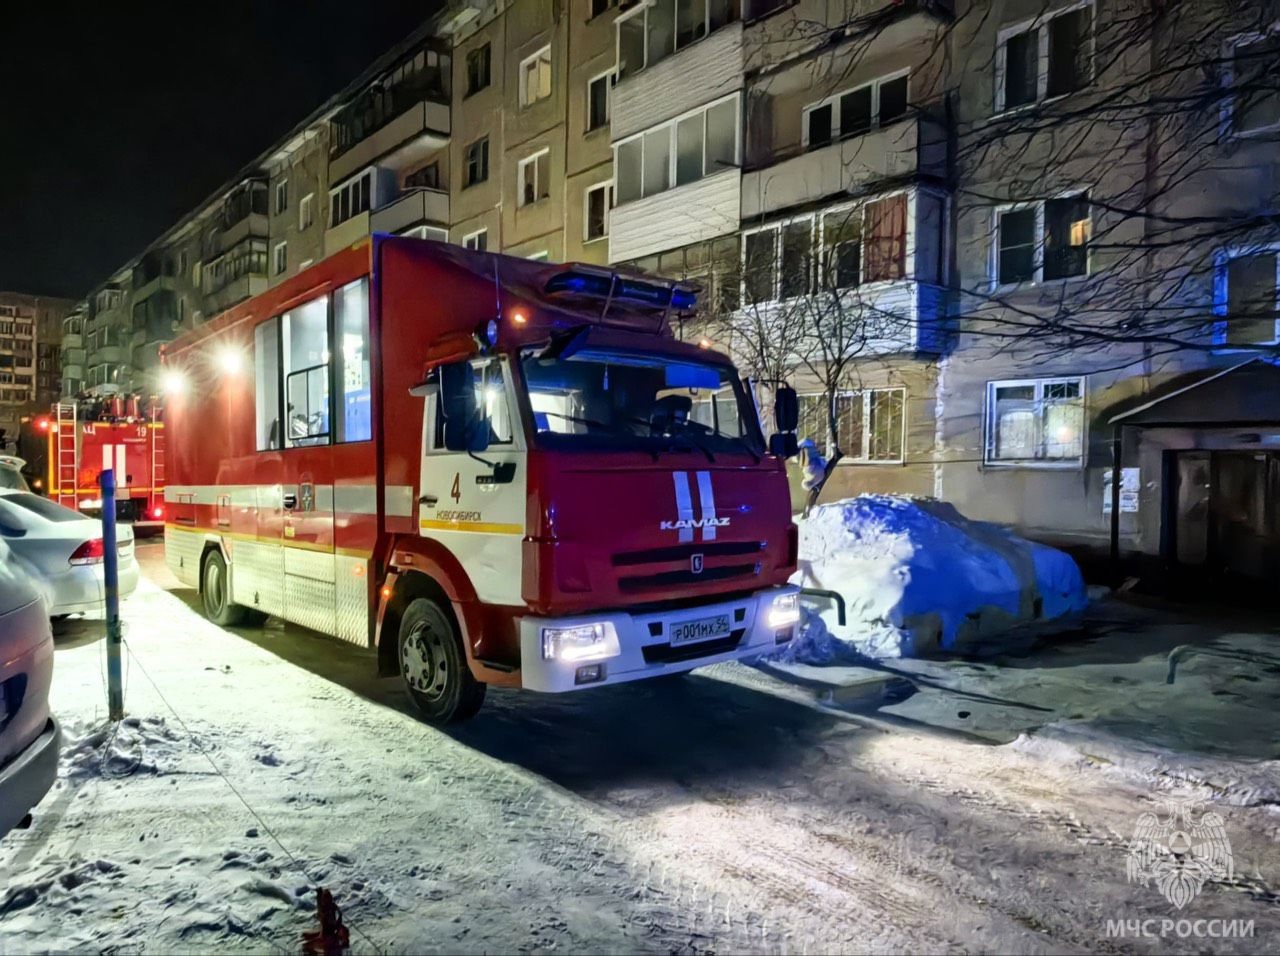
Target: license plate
[{"x": 701, "y": 629}]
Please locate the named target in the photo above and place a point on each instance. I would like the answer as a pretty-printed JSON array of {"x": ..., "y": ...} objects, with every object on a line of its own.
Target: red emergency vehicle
[
  {"x": 492, "y": 470},
  {"x": 112, "y": 432}
]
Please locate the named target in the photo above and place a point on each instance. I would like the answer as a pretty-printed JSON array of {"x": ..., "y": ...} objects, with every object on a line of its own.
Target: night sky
[{"x": 117, "y": 119}]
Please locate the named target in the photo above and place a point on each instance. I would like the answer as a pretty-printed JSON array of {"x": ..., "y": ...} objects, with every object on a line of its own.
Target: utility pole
[{"x": 111, "y": 575}]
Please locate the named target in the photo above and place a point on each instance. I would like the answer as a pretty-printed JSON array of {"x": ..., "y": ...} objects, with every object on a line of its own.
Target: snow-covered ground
[
  {"x": 729, "y": 812},
  {"x": 918, "y": 577}
]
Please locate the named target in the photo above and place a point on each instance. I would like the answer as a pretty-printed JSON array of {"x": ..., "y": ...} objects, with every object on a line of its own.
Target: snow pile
[{"x": 917, "y": 577}]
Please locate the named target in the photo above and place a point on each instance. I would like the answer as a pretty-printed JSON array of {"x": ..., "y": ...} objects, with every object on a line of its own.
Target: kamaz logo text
[{"x": 681, "y": 524}]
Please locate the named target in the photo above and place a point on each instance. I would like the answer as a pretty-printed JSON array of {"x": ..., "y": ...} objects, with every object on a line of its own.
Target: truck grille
[{"x": 668, "y": 567}]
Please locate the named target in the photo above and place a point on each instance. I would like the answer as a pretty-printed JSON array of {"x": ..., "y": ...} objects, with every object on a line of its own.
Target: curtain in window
[{"x": 886, "y": 232}]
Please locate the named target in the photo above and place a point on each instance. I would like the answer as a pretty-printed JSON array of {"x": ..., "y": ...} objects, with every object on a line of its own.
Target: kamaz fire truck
[
  {"x": 116, "y": 432},
  {"x": 488, "y": 469}
]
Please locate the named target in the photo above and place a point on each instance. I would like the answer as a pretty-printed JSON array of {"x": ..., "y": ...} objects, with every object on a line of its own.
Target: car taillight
[{"x": 90, "y": 552}]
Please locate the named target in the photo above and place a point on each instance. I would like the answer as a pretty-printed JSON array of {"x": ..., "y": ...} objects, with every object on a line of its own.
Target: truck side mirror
[
  {"x": 465, "y": 426},
  {"x": 786, "y": 408}
]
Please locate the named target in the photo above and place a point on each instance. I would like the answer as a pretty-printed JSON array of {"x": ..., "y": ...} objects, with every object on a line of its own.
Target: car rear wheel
[
  {"x": 434, "y": 665},
  {"x": 215, "y": 594}
]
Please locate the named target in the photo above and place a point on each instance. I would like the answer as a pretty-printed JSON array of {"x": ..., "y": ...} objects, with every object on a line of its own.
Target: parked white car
[
  {"x": 62, "y": 550},
  {"x": 29, "y": 736},
  {"x": 11, "y": 473}
]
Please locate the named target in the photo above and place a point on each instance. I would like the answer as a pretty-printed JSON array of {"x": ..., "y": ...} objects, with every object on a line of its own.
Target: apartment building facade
[
  {"x": 30, "y": 353},
  {"x": 925, "y": 188}
]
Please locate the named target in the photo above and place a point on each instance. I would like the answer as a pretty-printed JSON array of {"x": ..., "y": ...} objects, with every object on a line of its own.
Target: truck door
[{"x": 473, "y": 502}]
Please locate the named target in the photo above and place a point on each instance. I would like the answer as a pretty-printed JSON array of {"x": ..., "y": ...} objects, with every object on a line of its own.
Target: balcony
[
  {"x": 235, "y": 291},
  {"x": 252, "y": 225},
  {"x": 72, "y": 340},
  {"x": 157, "y": 284},
  {"x": 111, "y": 355},
  {"x": 700, "y": 210},
  {"x": 699, "y": 73},
  {"x": 912, "y": 150},
  {"x": 71, "y": 355},
  {"x": 413, "y": 134},
  {"x": 416, "y": 207},
  {"x": 73, "y": 371}
]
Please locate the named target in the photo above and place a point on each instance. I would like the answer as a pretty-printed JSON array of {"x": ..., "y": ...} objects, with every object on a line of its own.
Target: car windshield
[
  {"x": 50, "y": 510},
  {"x": 613, "y": 399}
]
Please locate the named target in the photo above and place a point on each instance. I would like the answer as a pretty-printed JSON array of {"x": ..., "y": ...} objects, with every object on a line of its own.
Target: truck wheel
[
  {"x": 215, "y": 594},
  {"x": 434, "y": 666}
]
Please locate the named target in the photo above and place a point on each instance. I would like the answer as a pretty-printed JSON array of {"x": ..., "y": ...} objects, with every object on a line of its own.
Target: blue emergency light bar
[{"x": 608, "y": 286}]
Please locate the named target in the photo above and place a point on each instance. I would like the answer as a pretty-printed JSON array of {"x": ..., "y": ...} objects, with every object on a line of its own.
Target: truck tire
[
  {"x": 433, "y": 664},
  {"x": 215, "y": 595}
]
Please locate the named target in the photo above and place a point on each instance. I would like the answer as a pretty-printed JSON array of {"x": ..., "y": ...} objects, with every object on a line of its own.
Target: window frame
[
  {"x": 673, "y": 150},
  {"x": 474, "y": 235},
  {"x": 280, "y": 258},
  {"x": 281, "y": 196},
  {"x": 486, "y": 49},
  {"x": 817, "y": 220},
  {"x": 607, "y": 186},
  {"x": 642, "y": 11},
  {"x": 1040, "y": 206},
  {"x": 522, "y": 92},
  {"x": 833, "y": 101},
  {"x": 306, "y": 211},
  {"x": 610, "y": 78},
  {"x": 990, "y": 424},
  {"x": 1227, "y": 106},
  {"x": 865, "y": 395},
  {"x": 483, "y": 144},
  {"x": 1221, "y": 295},
  {"x": 538, "y": 186},
  {"x": 350, "y": 183},
  {"x": 1040, "y": 24}
]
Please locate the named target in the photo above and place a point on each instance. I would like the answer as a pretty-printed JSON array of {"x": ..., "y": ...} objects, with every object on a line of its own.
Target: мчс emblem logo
[{"x": 1179, "y": 853}]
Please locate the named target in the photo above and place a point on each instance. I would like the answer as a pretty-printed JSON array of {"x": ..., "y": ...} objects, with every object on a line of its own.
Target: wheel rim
[
  {"x": 423, "y": 661},
  {"x": 213, "y": 586}
]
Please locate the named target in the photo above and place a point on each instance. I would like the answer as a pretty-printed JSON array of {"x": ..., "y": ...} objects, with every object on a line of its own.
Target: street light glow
[
  {"x": 230, "y": 360},
  {"x": 173, "y": 381}
]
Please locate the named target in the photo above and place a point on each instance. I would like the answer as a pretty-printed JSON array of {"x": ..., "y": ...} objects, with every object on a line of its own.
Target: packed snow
[{"x": 919, "y": 578}]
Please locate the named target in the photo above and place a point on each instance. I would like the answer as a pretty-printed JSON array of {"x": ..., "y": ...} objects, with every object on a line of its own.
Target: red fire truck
[
  {"x": 112, "y": 432},
  {"x": 490, "y": 470}
]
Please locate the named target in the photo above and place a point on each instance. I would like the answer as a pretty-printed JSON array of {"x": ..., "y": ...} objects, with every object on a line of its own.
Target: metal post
[{"x": 111, "y": 578}]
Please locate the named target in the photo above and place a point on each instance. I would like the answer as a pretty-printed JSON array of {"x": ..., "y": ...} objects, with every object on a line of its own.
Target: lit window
[
  {"x": 1035, "y": 421},
  {"x": 1043, "y": 241}
]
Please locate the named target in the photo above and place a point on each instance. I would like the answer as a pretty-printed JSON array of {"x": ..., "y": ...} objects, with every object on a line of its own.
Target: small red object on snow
[{"x": 332, "y": 939}]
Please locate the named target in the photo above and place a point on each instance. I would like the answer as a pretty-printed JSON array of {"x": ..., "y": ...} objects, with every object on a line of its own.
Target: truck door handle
[
  {"x": 428, "y": 500},
  {"x": 290, "y": 502}
]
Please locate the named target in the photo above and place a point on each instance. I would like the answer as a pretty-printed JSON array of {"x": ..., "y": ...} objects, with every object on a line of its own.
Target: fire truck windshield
[{"x": 619, "y": 400}]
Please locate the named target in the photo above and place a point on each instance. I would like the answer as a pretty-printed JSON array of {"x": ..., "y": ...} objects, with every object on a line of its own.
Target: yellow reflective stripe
[{"x": 480, "y": 527}]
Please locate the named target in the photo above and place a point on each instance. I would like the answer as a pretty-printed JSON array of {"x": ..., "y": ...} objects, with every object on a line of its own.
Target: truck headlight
[
  {"x": 581, "y": 642},
  {"x": 785, "y": 611}
]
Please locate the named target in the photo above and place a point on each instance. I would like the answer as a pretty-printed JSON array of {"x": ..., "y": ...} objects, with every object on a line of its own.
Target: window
[
  {"x": 306, "y": 214},
  {"x": 434, "y": 233},
  {"x": 535, "y": 77},
  {"x": 655, "y": 31},
  {"x": 837, "y": 249},
  {"x": 477, "y": 69},
  {"x": 469, "y": 391},
  {"x": 598, "y": 7},
  {"x": 304, "y": 334},
  {"x": 280, "y": 258},
  {"x": 1035, "y": 421},
  {"x": 428, "y": 177},
  {"x": 351, "y": 198},
  {"x": 681, "y": 151},
  {"x": 477, "y": 163},
  {"x": 282, "y": 197},
  {"x": 535, "y": 178},
  {"x": 1048, "y": 57},
  {"x": 1043, "y": 241},
  {"x": 855, "y": 112},
  {"x": 597, "y": 212},
  {"x": 353, "y": 374},
  {"x": 1247, "y": 297},
  {"x": 870, "y": 424},
  {"x": 598, "y": 101},
  {"x": 477, "y": 241},
  {"x": 1252, "y": 63},
  {"x": 266, "y": 377}
]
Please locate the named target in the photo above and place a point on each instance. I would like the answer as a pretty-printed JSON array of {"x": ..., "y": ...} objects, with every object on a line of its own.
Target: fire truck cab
[{"x": 488, "y": 470}]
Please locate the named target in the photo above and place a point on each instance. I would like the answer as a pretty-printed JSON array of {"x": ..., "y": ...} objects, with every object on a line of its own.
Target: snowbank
[{"x": 918, "y": 577}]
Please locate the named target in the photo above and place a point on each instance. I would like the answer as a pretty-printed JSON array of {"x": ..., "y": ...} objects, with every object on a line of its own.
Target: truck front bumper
[{"x": 636, "y": 646}]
